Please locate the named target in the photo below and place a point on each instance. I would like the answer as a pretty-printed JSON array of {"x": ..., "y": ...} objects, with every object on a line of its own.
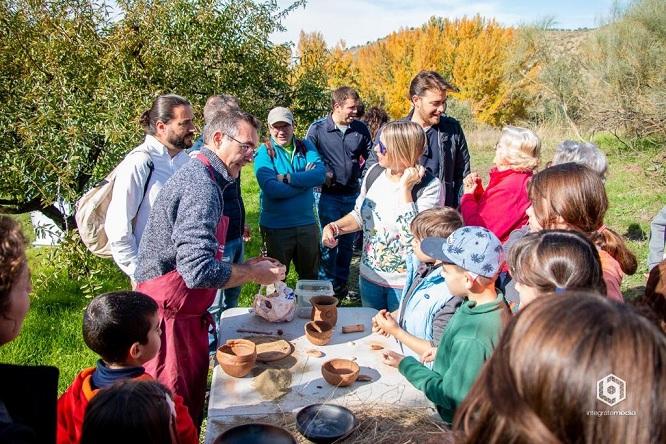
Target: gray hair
[
  {"x": 584, "y": 153},
  {"x": 222, "y": 103},
  {"x": 227, "y": 123}
]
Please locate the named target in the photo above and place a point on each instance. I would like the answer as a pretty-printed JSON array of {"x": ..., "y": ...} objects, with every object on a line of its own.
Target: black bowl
[
  {"x": 256, "y": 434},
  {"x": 325, "y": 423}
]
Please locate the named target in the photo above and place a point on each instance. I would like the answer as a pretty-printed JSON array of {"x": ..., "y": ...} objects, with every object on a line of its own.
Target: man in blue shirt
[
  {"x": 341, "y": 141},
  {"x": 287, "y": 170}
]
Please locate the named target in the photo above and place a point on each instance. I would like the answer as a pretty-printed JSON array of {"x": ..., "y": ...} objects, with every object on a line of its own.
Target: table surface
[{"x": 231, "y": 398}]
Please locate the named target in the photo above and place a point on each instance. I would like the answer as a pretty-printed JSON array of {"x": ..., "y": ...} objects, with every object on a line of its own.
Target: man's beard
[{"x": 181, "y": 143}]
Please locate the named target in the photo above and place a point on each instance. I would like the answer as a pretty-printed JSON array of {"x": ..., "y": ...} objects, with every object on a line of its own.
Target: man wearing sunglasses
[{"x": 342, "y": 141}]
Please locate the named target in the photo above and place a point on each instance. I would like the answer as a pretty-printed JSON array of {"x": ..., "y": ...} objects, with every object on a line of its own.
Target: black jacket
[
  {"x": 452, "y": 147},
  {"x": 340, "y": 153}
]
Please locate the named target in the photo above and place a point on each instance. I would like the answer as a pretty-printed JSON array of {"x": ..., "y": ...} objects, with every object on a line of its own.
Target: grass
[{"x": 52, "y": 331}]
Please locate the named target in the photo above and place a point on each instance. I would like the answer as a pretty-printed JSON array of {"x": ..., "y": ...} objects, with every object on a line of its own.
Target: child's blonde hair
[
  {"x": 435, "y": 222},
  {"x": 518, "y": 148}
]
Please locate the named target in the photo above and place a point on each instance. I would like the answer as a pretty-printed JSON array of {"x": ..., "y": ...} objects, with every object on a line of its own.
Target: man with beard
[
  {"x": 446, "y": 155},
  {"x": 342, "y": 141},
  {"x": 180, "y": 261},
  {"x": 169, "y": 131}
]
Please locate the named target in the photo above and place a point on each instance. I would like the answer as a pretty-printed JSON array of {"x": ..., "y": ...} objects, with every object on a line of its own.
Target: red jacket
[
  {"x": 72, "y": 406},
  {"x": 500, "y": 207}
]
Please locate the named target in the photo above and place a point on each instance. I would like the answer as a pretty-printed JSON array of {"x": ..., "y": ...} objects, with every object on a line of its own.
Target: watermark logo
[{"x": 611, "y": 390}]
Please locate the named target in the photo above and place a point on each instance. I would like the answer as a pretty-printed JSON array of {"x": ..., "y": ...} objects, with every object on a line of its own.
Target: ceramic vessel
[
  {"x": 324, "y": 308},
  {"x": 237, "y": 357},
  {"x": 340, "y": 372},
  {"x": 319, "y": 332}
]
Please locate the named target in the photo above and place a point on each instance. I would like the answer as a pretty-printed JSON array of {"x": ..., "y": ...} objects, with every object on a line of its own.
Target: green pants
[{"x": 297, "y": 244}]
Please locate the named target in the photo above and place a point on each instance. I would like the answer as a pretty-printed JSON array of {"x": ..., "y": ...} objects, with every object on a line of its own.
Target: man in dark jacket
[
  {"x": 341, "y": 141},
  {"x": 446, "y": 155}
]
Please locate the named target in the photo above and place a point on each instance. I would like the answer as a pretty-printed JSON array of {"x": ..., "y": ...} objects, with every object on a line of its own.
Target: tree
[{"x": 73, "y": 82}]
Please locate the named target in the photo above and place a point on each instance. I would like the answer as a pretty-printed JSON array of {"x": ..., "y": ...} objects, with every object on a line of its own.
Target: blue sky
[{"x": 360, "y": 21}]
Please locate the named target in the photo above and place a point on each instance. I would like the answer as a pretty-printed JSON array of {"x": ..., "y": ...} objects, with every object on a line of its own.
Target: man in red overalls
[{"x": 179, "y": 263}]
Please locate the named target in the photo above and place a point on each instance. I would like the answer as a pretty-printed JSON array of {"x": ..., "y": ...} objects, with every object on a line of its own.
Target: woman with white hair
[
  {"x": 500, "y": 207},
  {"x": 584, "y": 153},
  {"x": 393, "y": 192}
]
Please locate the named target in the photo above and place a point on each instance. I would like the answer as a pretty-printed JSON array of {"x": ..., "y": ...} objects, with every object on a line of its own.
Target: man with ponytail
[{"x": 169, "y": 129}]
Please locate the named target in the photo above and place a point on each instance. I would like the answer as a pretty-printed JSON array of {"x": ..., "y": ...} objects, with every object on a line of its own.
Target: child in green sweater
[{"x": 472, "y": 257}]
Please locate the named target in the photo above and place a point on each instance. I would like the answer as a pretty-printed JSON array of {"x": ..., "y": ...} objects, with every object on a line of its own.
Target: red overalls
[{"x": 182, "y": 362}]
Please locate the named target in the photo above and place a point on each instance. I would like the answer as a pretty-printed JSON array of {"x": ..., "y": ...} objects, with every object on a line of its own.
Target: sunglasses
[{"x": 382, "y": 148}]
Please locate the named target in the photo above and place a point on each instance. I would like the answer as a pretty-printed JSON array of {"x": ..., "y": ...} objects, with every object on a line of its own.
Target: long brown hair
[
  {"x": 556, "y": 259},
  {"x": 12, "y": 258},
  {"x": 577, "y": 194},
  {"x": 541, "y": 384}
]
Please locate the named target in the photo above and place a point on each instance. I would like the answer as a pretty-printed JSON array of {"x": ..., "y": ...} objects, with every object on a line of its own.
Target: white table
[{"x": 232, "y": 398}]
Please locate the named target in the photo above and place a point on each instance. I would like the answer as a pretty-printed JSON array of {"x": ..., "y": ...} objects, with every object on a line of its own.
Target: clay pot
[
  {"x": 319, "y": 332},
  {"x": 237, "y": 357},
  {"x": 324, "y": 309},
  {"x": 340, "y": 372}
]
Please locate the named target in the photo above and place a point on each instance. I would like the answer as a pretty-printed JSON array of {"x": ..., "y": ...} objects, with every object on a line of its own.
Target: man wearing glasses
[
  {"x": 287, "y": 170},
  {"x": 180, "y": 257}
]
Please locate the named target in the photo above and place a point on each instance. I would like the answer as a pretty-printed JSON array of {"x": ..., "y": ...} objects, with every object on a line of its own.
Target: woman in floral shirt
[{"x": 394, "y": 191}]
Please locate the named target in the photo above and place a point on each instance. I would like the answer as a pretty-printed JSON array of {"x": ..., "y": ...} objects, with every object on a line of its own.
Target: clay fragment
[
  {"x": 376, "y": 346},
  {"x": 315, "y": 353},
  {"x": 353, "y": 328}
]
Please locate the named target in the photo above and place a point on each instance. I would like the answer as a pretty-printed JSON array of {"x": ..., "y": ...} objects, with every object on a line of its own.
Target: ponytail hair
[
  {"x": 161, "y": 110},
  {"x": 575, "y": 195}
]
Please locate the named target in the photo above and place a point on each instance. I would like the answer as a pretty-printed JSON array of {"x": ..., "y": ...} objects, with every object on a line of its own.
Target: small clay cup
[
  {"x": 340, "y": 372},
  {"x": 319, "y": 332},
  {"x": 237, "y": 357},
  {"x": 324, "y": 308}
]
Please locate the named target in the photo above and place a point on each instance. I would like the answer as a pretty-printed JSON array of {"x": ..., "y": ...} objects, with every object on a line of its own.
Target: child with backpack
[
  {"x": 426, "y": 304},
  {"x": 472, "y": 257},
  {"x": 123, "y": 328}
]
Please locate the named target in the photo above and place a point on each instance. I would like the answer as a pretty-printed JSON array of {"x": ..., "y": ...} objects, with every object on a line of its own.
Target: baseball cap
[
  {"x": 280, "y": 114},
  {"x": 473, "y": 249}
]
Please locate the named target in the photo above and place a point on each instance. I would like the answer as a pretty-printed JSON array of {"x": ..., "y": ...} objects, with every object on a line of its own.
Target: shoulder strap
[
  {"x": 417, "y": 191},
  {"x": 271, "y": 152},
  {"x": 151, "y": 168},
  {"x": 375, "y": 171}
]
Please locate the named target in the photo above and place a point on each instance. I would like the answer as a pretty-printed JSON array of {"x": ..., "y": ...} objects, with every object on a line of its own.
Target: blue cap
[{"x": 474, "y": 249}]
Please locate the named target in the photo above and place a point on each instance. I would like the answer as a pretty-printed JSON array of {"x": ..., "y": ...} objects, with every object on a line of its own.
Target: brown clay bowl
[
  {"x": 319, "y": 332},
  {"x": 237, "y": 357},
  {"x": 340, "y": 372}
]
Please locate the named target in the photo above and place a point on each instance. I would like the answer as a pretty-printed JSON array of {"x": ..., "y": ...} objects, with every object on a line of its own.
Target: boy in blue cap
[{"x": 472, "y": 258}]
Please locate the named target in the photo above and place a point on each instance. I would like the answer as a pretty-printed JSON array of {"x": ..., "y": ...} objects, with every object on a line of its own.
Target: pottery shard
[
  {"x": 315, "y": 353},
  {"x": 376, "y": 346}
]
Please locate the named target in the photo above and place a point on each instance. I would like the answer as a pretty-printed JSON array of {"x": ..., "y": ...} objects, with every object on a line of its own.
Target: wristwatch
[{"x": 285, "y": 179}]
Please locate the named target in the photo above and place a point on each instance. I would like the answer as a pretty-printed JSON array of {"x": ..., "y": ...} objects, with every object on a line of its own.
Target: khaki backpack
[{"x": 91, "y": 210}]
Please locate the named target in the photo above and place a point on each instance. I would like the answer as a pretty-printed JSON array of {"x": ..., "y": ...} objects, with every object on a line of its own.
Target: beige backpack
[{"x": 91, "y": 210}]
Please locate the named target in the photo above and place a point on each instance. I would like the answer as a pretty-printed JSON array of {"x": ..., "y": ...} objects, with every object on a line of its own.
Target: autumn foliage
[{"x": 471, "y": 52}]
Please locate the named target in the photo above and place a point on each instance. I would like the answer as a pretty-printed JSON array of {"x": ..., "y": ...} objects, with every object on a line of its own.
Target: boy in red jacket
[
  {"x": 123, "y": 328},
  {"x": 501, "y": 206}
]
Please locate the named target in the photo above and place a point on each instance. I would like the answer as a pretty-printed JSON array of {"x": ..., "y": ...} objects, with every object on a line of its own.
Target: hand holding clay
[
  {"x": 470, "y": 182},
  {"x": 328, "y": 237},
  {"x": 268, "y": 271},
  {"x": 411, "y": 176},
  {"x": 386, "y": 322},
  {"x": 429, "y": 355},
  {"x": 392, "y": 358}
]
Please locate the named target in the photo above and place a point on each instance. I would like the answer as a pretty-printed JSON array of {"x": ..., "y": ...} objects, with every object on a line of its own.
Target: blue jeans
[
  {"x": 335, "y": 261},
  {"x": 227, "y": 298},
  {"x": 378, "y": 297}
]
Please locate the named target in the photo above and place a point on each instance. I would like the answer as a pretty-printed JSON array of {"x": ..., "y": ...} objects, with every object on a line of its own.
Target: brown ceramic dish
[
  {"x": 324, "y": 308},
  {"x": 237, "y": 357},
  {"x": 318, "y": 332},
  {"x": 340, "y": 372}
]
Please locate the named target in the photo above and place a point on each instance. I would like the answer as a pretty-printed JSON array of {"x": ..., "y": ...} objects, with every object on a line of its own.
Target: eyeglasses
[{"x": 244, "y": 146}]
